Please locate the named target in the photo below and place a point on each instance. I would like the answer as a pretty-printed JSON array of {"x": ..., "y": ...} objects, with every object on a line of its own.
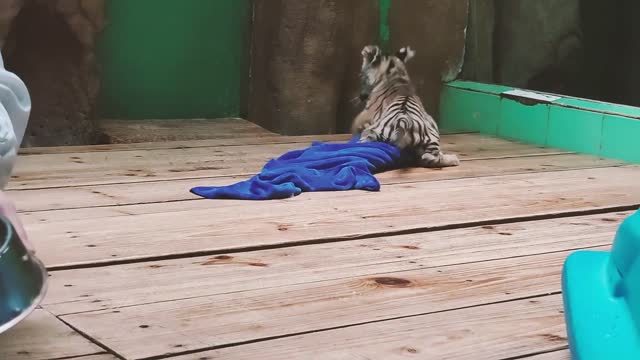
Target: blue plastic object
[{"x": 601, "y": 292}]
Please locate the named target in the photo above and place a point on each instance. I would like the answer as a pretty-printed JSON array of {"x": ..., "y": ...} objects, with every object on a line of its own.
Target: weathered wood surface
[
  {"x": 96, "y": 357},
  {"x": 342, "y": 283},
  {"x": 505, "y": 330},
  {"x": 135, "y": 131},
  {"x": 81, "y": 290},
  {"x": 102, "y": 235},
  {"x": 42, "y": 337},
  {"x": 555, "y": 355},
  {"x": 240, "y": 140},
  {"x": 191, "y": 324},
  {"x": 176, "y": 190},
  {"x": 91, "y": 168}
]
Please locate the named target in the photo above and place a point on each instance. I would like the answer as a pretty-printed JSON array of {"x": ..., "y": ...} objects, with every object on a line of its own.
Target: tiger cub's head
[{"x": 378, "y": 67}]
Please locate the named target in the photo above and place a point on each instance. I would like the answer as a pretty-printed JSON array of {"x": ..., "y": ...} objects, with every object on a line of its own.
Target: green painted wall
[
  {"x": 584, "y": 126},
  {"x": 384, "y": 32},
  {"x": 175, "y": 59}
]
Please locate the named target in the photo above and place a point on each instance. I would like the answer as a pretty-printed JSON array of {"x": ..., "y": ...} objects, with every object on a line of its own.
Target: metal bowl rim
[
  {"x": 43, "y": 273},
  {"x": 36, "y": 303},
  {"x": 10, "y": 232}
]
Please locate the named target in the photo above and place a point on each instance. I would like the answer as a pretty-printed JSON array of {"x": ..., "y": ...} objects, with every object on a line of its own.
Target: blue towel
[{"x": 320, "y": 167}]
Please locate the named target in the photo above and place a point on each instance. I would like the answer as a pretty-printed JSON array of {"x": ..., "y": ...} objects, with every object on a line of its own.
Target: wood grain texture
[
  {"x": 554, "y": 355},
  {"x": 98, "y": 357},
  {"x": 100, "y": 235},
  {"x": 239, "y": 140},
  {"x": 134, "y": 131},
  {"x": 185, "y": 325},
  {"x": 488, "y": 332},
  {"x": 42, "y": 337},
  {"x": 104, "y": 356},
  {"x": 176, "y": 190},
  {"x": 74, "y": 291},
  {"x": 91, "y": 168}
]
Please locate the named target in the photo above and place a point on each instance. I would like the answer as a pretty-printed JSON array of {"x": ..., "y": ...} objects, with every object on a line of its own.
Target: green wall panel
[
  {"x": 523, "y": 122},
  {"x": 568, "y": 130},
  {"x": 175, "y": 59},
  {"x": 470, "y": 111},
  {"x": 565, "y": 123},
  {"x": 621, "y": 138},
  {"x": 604, "y": 107}
]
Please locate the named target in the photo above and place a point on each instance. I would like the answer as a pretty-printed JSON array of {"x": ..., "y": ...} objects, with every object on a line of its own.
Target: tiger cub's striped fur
[{"x": 393, "y": 112}]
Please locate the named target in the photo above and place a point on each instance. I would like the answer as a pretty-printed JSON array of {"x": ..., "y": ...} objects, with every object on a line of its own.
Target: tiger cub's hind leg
[
  {"x": 362, "y": 121},
  {"x": 368, "y": 135},
  {"x": 434, "y": 158}
]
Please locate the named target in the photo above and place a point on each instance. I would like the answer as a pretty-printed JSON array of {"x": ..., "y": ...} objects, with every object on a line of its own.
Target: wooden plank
[
  {"x": 175, "y": 190},
  {"x": 554, "y": 355},
  {"x": 61, "y": 170},
  {"x": 96, "y": 357},
  {"x": 147, "y": 130},
  {"x": 221, "y": 320},
  {"x": 489, "y": 332},
  {"x": 239, "y": 140},
  {"x": 75, "y": 169},
  {"x": 102, "y": 235},
  {"x": 82, "y": 290},
  {"x": 41, "y": 337},
  {"x": 99, "y": 357}
]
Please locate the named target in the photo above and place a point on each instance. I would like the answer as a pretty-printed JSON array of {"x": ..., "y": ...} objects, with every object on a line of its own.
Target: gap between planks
[
  {"x": 189, "y": 144},
  {"x": 237, "y": 318},
  {"x": 164, "y": 191},
  {"x": 104, "y": 235},
  {"x": 490, "y": 281},
  {"x": 64, "y": 170},
  {"x": 42, "y": 336},
  {"x": 150, "y": 330},
  {"x": 562, "y": 354},
  {"x": 488, "y": 332},
  {"x": 83, "y": 290},
  {"x": 183, "y": 144}
]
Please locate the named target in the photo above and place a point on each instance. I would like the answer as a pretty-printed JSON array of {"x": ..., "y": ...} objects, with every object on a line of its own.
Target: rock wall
[
  {"x": 584, "y": 48},
  {"x": 306, "y": 57},
  {"x": 612, "y": 41},
  {"x": 436, "y": 30},
  {"x": 540, "y": 44},
  {"x": 303, "y": 54},
  {"x": 50, "y": 44}
]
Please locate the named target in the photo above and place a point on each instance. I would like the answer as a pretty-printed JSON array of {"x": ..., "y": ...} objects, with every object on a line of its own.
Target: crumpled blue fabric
[{"x": 320, "y": 167}]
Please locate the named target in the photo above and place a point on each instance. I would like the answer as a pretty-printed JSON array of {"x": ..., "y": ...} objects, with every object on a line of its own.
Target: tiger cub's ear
[
  {"x": 371, "y": 54},
  {"x": 405, "y": 54}
]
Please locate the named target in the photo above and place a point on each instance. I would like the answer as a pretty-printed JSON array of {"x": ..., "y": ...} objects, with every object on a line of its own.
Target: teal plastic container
[{"x": 601, "y": 292}]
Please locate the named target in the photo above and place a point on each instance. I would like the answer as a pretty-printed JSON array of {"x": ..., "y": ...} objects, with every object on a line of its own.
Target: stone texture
[
  {"x": 64, "y": 87},
  {"x": 613, "y": 49},
  {"x": 303, "y": 52},
  {"x": 539, "y": 45},
  {"x": 584, "y": 48},
  {"x": 436, "y": 30},
  {"x": 478, "y": 57},
  {"x": 306, "y": 57}
]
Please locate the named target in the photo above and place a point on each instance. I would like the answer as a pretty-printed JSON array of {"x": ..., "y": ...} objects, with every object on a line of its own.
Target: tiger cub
[{"x": 393, "y": 111}]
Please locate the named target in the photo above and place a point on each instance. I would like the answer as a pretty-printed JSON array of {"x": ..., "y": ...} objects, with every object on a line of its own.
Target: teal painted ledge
[{"x": 571, "y": 124}]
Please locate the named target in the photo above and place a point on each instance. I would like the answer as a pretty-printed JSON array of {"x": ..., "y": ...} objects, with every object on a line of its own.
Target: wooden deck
[{"x": 460, "y": 263}]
